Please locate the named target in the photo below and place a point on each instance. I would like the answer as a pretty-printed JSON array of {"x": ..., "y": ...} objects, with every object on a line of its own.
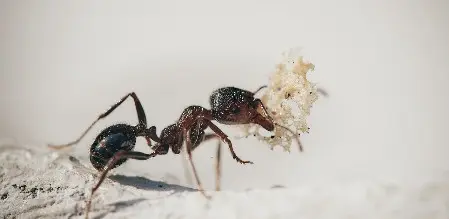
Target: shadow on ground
[
  {"x": 148, "y": 184},
  {"x": 143, "y": 183},
  {"x": 117, "y": 206}
]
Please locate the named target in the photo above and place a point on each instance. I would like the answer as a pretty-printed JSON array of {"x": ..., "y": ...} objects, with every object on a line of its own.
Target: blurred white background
[{"x": 384, "y": 64}]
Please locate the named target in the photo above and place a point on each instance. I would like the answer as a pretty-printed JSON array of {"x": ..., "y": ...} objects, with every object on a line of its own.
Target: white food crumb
[{"x": 288, "y": 99}]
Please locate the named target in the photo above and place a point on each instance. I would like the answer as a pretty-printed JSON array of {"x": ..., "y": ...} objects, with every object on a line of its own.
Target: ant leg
[
  {"x": 189, "y": 152},
  {"x": 186, "y": 170},
  {"x": 225, "y": 138},
  {"x": 140, "y": 114},
  {"x": 207, "y": 137},
  {"x": 217, "y": 164},
  {"x": 217, "y": 158},
  {"x": 218, "y": 168},
  {"x": 194, "y": 146},
  {"x": 111, "y": 163}
]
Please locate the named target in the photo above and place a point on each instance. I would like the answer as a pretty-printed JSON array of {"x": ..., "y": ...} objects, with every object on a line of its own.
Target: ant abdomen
[{"x": 120, "y": 137}]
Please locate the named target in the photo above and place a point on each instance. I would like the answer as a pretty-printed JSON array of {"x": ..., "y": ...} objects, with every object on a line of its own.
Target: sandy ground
[
  {"x": 377, "y": 147},
  {"x": 50, "y": 185}
]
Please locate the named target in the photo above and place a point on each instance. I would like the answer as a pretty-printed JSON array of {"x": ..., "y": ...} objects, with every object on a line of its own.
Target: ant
[{"x": 229, "y": 105}]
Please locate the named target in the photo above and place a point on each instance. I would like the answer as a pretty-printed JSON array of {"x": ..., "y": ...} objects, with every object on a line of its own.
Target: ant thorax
[{"x": 288, "y": 99}]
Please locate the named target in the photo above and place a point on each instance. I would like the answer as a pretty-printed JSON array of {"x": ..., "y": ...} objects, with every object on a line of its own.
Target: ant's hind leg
[
  {"x": 111, "y": 163},
  {"x": 140, "y": 114}
]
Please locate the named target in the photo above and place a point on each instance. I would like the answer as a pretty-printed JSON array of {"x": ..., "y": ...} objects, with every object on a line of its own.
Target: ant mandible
[{"x": 230, "y": 105}]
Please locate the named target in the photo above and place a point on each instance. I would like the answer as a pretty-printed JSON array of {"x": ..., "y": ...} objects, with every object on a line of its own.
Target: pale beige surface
[{"x": 384, "y": 64}]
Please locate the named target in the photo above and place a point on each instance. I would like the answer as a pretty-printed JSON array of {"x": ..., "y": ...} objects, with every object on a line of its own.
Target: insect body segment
[{"x": 113, "y": 139}]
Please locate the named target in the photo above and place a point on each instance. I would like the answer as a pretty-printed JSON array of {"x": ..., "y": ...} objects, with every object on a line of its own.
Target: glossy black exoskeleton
[{"x": 120, "y": 137}]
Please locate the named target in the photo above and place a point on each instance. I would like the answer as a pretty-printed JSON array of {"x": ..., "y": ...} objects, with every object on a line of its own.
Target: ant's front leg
[
  {"x": 140, "y": 114},
  {"x": 225, "y": 138}
]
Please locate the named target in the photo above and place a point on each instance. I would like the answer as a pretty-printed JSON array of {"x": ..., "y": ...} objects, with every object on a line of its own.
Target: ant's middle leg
[
  {"x": 217, "y": 161},
  {"x": 111, "y": 163},
  {"x": 140, "y": 114},
  {"x": 189, "y": 153}
]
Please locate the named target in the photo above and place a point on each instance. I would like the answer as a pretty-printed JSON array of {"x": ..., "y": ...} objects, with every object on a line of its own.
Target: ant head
[{"x": 232, "y": 105}]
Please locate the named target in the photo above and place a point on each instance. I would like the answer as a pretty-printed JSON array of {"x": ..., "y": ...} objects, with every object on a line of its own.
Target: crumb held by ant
[{"x": 289, "y": 98}]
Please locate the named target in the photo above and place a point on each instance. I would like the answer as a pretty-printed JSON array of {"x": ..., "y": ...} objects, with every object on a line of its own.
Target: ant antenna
[{"x": 259, "y": 89}]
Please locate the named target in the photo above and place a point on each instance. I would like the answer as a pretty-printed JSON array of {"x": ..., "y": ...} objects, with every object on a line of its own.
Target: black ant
[{"x": 230, "y": 105}]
